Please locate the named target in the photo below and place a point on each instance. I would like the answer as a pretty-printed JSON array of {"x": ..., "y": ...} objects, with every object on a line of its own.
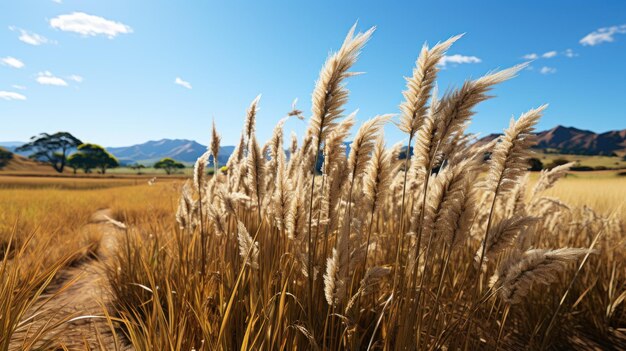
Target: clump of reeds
[{"x": 373, "y": 248}]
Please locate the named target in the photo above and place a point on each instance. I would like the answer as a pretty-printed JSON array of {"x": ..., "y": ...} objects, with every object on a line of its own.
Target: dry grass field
[{"x": 442, "y": 250}]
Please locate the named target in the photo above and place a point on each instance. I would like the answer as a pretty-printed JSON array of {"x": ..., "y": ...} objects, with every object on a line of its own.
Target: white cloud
[
  {"x": 532, "y": 56},
  {"x": 549, "y": 54},
  {"x": 547, "y": 70},
  {"x": 569, "y": 53},
  {"x": 602, "y": 35},
  {"x": 58, "y": 1},
  {"x": 12, "y": 61},
  {"x": 9, "y": 95},
  {"x": 47, "y": 78},
  {"x": 76, "y": 78},
  {"x": 19, "y": 87},
  {"x": 89, "y": 25},
  {"x": 458, "y": 59},
  {"x": 182, "y": 83},
  {"x": 30, "y": 37}
]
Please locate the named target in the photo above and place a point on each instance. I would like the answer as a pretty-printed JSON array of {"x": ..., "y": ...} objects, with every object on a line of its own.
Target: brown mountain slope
[
  {"x": 569, "y": 140},
  {"x": 19, "y": 163}
]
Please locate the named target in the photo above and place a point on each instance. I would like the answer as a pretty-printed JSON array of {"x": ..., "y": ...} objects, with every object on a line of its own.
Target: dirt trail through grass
[{"x": 73, "y": 311}]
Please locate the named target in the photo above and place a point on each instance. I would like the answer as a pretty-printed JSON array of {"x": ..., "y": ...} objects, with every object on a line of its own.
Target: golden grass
[{"x": 605, "y": 192}]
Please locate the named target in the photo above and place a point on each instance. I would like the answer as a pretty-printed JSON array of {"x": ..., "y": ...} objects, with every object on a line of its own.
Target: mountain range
[
  {"x": 560, "y": 139},
  {"x": 570, "y": 140},
  {"x": 182, "y": 150}
]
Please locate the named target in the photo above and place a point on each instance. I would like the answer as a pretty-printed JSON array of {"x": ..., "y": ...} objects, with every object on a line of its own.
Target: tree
[
  {"x": 5, "y": 157},
  {"x": 90, "y": 156},
  {"x": 79, "y": 161},
  {"x": 168, "y": 165},
  {"x": 137, "y": 167},
  {"x": 535, "y": 164},
  {"x": 51, "y": 148}
]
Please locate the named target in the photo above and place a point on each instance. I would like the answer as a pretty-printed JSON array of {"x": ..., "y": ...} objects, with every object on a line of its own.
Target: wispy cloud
[
  {"x": 10, "y": 95},
  {"x": 19, "y": 87},
  {"x": 47, "y": 78},
  {"x": 547, "y": 70},
  {"x": 30, "y": 37},
  {"x": 602, "y": 35},
  {"x": 532, "y": 56},
  {"x": 89, "y": 25},
  {"x": 458, "y": 59},
  {"x": 58, "y": 1},
  {"x": 569, "y": 53},
  {"x": 12, "y": 62},
  {"x": 76, "y": 78},
  {"x": 182, "y": 83},
  {"x": 549, "y": 54}
]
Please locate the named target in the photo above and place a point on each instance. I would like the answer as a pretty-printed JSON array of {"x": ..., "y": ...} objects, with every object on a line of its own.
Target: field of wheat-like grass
[{"x": 456, "y": 246}]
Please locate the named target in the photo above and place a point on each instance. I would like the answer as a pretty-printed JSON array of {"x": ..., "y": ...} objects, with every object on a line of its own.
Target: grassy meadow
[{"x": 443, "y": 250}]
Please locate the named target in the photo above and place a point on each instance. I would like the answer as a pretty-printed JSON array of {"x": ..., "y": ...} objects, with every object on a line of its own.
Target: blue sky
[{"x": 107, "y": 70}]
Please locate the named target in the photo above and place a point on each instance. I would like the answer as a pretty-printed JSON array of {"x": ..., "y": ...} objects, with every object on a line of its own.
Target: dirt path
[{"x": 79, "y": 307}]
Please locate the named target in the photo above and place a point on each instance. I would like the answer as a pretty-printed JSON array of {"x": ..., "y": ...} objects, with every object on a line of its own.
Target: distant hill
[
  {"x": 18, "y": 163},
  {"x": 179, "y": 149},
  {"x": 569, "y": 140}
]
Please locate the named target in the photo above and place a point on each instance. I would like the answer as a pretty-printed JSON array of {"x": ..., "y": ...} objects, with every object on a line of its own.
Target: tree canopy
[
  {"x": 92, "y": 156},
  {"x": 168, "y": 165},
  {"x": 137, "y": 167},
  {"x": 51, "y": 148},
  {"x": 535, "y": 164}
]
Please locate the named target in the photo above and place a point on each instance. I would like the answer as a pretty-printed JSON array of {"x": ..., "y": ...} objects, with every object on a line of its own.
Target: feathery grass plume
[
  {"x": 334, "y": 170},
  {"x": 442, "y": 194},
  {"x": 215, "y": 146},
  {"x": 185, "y": 211},
  {"x": 536, "y": 266},
  {"x": 516, "y": 204},
  {"x": 337, "y": 268},
  {"x": 293, "y": 147},
  {"x": 446, "y": 213},
  {"x": 274, "y": 149},
  {"x": 335, "y": 182},
  {"x": 508, "y": 160},
  {"x": 250, "y": 124},
  {"x": 363, "y": 144},
  {"x": 216, "y": 216},
  {"x": 256, "y": 172},
  {"x": 334, "y": 147},
  {"x": 199, "y": 171},
  {"x": 549, "y": 177},
  {"x": 299, "y": 209},
  {"x": 283, "y": 198},
  {"x": 423, "y": 149},
  {"x": 248, "y": 248},
  {"x": 330, "y": 93},
  {"x": 503, "y": 234},
  {"x": 456, "y": 220},
  {"x": 377, "y": 180},
  {"x": 419, "y": 86},
  {"x": 235, "y": 158},
  {"x": 275, "y": 144},
  {"x": 456, "y": 108}
]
